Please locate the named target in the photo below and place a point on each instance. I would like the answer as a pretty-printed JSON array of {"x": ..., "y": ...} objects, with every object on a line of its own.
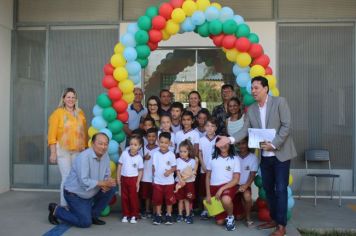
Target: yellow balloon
[
  {"x": 112, "y": 167},
  {"x": 120, "y": 73},
  {"x": 290, "y": 179},
  {"x": 165, "y": 35},
  {"x": 243, "y": 59},
  {"x": 118, "y": 60},
  {"x": 178, "y": 15},
  {"x": 126, "y": 86},
  {"x": 215, "y": 4},
  {"x": 203, "y": 4},
  {"x": 189, "y": 7},
  {"x": 231, "y": 54},
  {"x": 257, "y": 70},
  {"x": 275, "y": 92},
  {"x": 272, "y": 81},
  {"x": 89, "y": 143},
  {"x": 92, "y": 131},
  {"x": 171, "y": 27},
  {"x": 113, "y": 175},
  {"x": 119, "y": 48},
  {"x": 128, "y": 97}
]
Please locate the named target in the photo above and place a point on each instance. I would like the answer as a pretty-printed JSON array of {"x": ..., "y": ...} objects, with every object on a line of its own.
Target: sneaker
[
  {"x": 157, "y": 220},
  {"x": 179, "y": 218},
  {"x": 230, "y": 224},
  {"x": 168, "y": 220},
  {"x": 149, "y": 215},
  {"x": 133, "y": 220},
  {"x": 143, "y": 215},
  {"x": 124, "y": 219},
  {"x": 189, "y": 219},
  {"x": 204, "y": 215}
]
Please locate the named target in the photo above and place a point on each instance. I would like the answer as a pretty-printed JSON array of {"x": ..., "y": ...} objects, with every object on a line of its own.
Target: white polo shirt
[
  {"x": 172, "y": 145},
  {"x": 191, "y": 135},
  {"x": 248, "y": 164},
  {"x": 182, "y": 164},
  {"x": 130, "y": 164},
  {"x": 163, "y": 162},
  {"x": 223, "y": 169},
  {"x": 147, "y": 164},
  {"x": 206, "y": 147},
  {"x": 201, "y": 134},
  {"x": 176, "y": 128}
]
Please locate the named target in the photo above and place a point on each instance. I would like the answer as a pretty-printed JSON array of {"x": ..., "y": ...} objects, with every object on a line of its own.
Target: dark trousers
[
  {"x": 275, "y": 178},
  {"x": 81, "y": 211}
]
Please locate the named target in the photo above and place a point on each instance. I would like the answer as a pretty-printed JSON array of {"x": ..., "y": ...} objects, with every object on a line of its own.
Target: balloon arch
[{"x": 228, "y": 32}]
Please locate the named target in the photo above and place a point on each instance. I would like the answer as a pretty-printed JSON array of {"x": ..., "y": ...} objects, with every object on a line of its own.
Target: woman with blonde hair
[{"x": 67, "y": 134}]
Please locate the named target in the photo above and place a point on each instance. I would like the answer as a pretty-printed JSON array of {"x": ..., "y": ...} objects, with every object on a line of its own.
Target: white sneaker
[
  {"x": 124, "y": 219},
  {"x": 133, "y": 220}
]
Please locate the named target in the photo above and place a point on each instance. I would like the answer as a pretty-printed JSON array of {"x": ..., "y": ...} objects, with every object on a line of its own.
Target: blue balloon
[
  {"x": 239, "y": 19},
  {"x": 98, "y": 122},
  {"x": 128, "y": 40},
  {"x": 270, "y": 93},
  {"x": 113, "y": 147},
  {"x": 133, "y": 67},
  {"x": 132, "y": 28},
  {"x": 187, "y": 25},
  {"x": 97, "y": 110},
  {"x": 130, "y": 54},
  {"x": 136, "y": 79},
  {"x": 107, "y": 132},
  {"x": 198, "y": 18},
  {"x": 289, "y": 192},
  {"x": 236, "y": 69},
  {"x": 291, "y": 202},
  {"x": 242, "y": 79},
  {"x": 226, "y": 13},
  {"x": 248, "y": 87},
  {"x": 212, "y": 13},
  {"x": 114, "y": 157}
]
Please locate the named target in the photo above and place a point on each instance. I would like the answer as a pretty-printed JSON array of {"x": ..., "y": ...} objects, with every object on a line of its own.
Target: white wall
[{"x": 6, "y": 19}]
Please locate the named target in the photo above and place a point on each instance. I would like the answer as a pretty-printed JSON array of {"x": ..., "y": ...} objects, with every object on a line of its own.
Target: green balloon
[
  {"x": 143, "y": 62},
  {"x": 152, "y": 11},
  {"x": 144, "y": 23},
  {"x": 248, "y": 99},
  {"x": 243, "y": 30},
  {"x": 106, "y": 211},
  {"x": 141, "y": 37},
  {"x": 215, "y": 27},
  {"x": 253, "y": 38},
  {"x": 103, "y": 100},
  {"x": 143, "y": 51},
  {"x": 262, "y": 193},
  {"x": 229, "y": 26},
  {"x": 289, "y": 214},
  {"x": 115, "y": 126},
  {"x": 119, "y": 137},
  {"x": 258, "y": 181},
  {"x": 109, "y": 114},
  {"x": 243, "y": 91},
  {"x": 203, "y": 30}
]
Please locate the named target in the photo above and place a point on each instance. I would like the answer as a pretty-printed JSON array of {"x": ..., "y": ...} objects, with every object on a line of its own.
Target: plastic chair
[{"x": 319, "y": 156}]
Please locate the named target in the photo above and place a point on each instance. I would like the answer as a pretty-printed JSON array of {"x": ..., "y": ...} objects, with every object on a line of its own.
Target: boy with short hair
[{"x": 176, "y": 113}]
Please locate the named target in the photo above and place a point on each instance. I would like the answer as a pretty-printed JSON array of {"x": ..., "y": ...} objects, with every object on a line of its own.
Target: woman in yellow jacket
[{"x": 67, "y": 134}]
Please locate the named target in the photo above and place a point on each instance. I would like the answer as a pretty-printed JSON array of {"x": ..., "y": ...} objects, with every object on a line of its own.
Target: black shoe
[
  {"x": 51, "y": 218},
  {"x": 97, "y": 221}
]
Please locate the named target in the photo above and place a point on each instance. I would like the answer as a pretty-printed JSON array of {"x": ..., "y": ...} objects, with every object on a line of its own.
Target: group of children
[{"x": 181, "y": 164}]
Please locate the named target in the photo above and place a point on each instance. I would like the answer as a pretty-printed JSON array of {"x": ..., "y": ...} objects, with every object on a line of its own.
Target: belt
[{"x": 69, "y": 193}]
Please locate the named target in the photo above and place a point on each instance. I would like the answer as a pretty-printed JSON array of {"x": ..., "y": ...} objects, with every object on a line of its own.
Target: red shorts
[
  {"x": 146, "y": 190},
  {"x": 239, "y": 209},
  {"x": 228, "y": 192},
  {"x": 163, "y": 192},
  {"x": 187, "y": 192},
  {"x": 202, "y": 186}
]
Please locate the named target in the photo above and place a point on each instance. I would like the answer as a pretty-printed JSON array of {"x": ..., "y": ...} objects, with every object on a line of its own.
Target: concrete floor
[{"x": 25, "y": 213}]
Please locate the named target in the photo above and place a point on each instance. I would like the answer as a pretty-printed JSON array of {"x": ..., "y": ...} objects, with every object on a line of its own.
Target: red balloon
[
  {"x": 155, "y": 35},
  {"x": 108, "y": 69},
  {"x": 113, "y": 200},
  {"x": 115, "y": 93},
  {"x": 176, "y": 3},
  {"x": 165, "y": 10},
  {"x": 242, "y": 44},
  {"x": 261, "y": 203},
  {"x": 109, "y": 82},
  {"x": 153, "y": 46},
  {"x": 245, "y": 110},
  {"x": 120, "y": 106},
  {"x": 269, "y": 70},
  {"x": 229, "y": 41},
  {"x": 158, "y": 22},
  {"x": 255, "y": 50},
  {"x": 218, "y": 39},
  {"x": 123, "y": 116},
  {"x": 262, "y": 60},
  {"x": 263, "y": 215}
]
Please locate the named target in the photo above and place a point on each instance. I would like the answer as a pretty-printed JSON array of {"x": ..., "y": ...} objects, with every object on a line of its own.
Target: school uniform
[
  {"x": 192, "y": 135},
  {"x": 147, "y": 177},
  {"x": 172, "y": 145},
  {"x": 187, "y": 192}
]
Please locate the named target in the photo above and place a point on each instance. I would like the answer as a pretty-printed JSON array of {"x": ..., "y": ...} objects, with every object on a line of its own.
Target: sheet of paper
[{"x": 255, "y": 136}]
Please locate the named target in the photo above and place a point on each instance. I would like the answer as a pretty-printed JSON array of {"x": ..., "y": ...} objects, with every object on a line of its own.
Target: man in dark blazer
[{"x": 271, "y": 113}]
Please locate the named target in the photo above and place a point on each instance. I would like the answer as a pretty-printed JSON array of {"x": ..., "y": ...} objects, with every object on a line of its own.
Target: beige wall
[{"x": 6, "y": 7}]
